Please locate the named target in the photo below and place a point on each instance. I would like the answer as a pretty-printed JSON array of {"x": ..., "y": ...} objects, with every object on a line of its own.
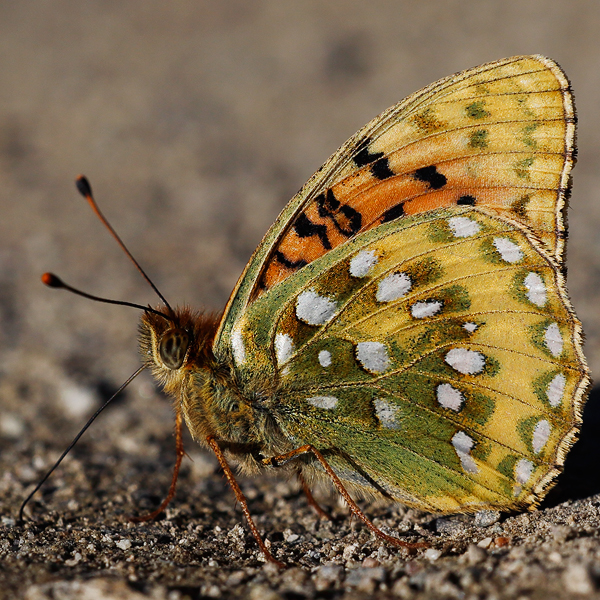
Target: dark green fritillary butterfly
[{"x": 404, "y": 329}]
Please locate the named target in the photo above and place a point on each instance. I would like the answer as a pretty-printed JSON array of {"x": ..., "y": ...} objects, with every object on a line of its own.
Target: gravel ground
[
  {"x": 195, "y": 123},
  {"x": 79, "y": 542}
]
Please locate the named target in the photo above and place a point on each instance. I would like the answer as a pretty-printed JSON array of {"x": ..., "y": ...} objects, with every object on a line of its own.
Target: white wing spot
[
  {"x": 553, "y": 340},
  {"x": 467, "y": 362},
  {"x": 362, "y": 263},
  {"x": 327, "y": 402},
  {"x": 237, "y": 345},
  {"x": 541, "y": 434},
  {"x": 284, "y": 347},
  {"x": 509, "y": 251},
  {"x": 556, "y": 389},
  {"x": 536, "y": 290},
  {"x": 387, "y": 414},
  {"x": 373, "y": 356},
  {"x": 470, "y": 327},
  {"x": 394, "y": 286},
  {"x": 325, "y": 358},
  {"x": 428, "y": 308},
  {"x": 463, "y": 445},
  {"x": 449, "y": 397},
  {"x": 463, "y": 227},
  {"x": 523, "y": 471},
  {"x": 314, "y": 309}
]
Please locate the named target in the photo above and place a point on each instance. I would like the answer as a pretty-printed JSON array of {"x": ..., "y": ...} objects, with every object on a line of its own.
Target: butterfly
[{"x": 403, "y": 329}]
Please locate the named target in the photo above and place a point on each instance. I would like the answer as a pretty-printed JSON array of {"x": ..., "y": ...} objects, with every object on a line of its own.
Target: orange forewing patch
[{"x": 502, "y": 144}]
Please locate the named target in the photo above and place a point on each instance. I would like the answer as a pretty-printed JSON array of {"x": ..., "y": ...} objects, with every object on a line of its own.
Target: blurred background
[{"x": 195, "y": 123}]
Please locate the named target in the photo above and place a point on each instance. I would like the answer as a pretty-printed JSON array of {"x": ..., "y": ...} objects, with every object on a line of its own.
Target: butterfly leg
[
  {"x": 310, "y": 498},
  {"x": 283, "y": 458},
  {"x": 239, "y": 495},
  {"x": 180, "y": 454}
]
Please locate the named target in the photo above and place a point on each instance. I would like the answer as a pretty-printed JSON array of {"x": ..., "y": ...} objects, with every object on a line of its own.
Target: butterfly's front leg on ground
[{"x": 180, "y": 454}]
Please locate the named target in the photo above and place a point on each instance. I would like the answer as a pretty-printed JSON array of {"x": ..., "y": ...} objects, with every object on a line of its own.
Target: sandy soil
[{"x": 195, "y": 123}]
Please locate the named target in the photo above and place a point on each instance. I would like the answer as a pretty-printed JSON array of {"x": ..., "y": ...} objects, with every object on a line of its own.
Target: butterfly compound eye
[{"x": 172, "y": 348}]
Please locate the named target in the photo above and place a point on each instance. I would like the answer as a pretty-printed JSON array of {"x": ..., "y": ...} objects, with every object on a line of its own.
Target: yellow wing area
[
  {"x": 435, "y": 359},
  {"x": 499, "y": 136}
]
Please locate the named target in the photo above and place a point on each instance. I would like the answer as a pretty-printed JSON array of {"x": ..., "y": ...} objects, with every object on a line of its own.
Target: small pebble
[
  {"x": 350, "y": 551},
  {"x": 262, "y": 592},
  {"x": 210, "y": 591},
  {"x": 236, "y": 578},
  {"x": 290, "y": 537},
  {"x": 413, "y": 567},
  {"x": 327, "y": 576},
  {"x": 12, "y": 426},
  {"x": 73, "y": 561},
  {"x": 432, "y": 554},
  {"x": 382, "y": 553},
  {"x": 77, "y": 400},
  {"x": 475, "y": 555},
  {"x": 402, "y": 589},
  {"x": 555, "y": 557},
  {"x": 501, "y": 541},
  {"x": 562, "y": 533},
  {"x": 123, "y": 544},
  {"x": 485, "y": 543},
  {"x": 578, "y": 580},
  {"x": 365, "y": 579},
  {"x": 270, "y": 569},
  {"x": 294, "y": 578},
  {"x": 485, "y": 518}
]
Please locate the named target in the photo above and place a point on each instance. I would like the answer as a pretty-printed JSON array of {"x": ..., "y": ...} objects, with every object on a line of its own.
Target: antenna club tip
[
  {"x": 83, "y": 186},
  {"x": 52, "y": 280}
]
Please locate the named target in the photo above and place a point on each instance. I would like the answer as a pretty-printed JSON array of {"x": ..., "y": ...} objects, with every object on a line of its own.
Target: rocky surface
[
  {"x": 79, "y": 542},
  {"x": 196, "y": 123}
]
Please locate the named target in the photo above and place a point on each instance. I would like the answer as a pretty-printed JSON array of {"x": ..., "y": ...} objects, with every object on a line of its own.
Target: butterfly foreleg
[
  {"x": 239, "y": 495},
  {"x": 180, "y": 454},
  {"x": 354, "y": 508}
]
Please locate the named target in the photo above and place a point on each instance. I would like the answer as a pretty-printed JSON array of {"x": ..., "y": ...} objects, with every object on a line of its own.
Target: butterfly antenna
[
  {"x": 53, "y": 281},
  {"x": 85, "y": 189},
  {"x": 75, "y": 440}
]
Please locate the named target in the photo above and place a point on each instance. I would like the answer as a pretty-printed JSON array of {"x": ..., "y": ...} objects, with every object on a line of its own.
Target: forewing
[{"x": 499, "y": 136}]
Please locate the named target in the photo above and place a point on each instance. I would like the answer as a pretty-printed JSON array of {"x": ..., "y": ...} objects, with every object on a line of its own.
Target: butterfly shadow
[{"x": 581, "y": 475}]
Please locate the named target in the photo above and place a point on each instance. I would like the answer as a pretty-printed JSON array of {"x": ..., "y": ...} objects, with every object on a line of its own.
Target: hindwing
[{"x": 435, "y": 359}]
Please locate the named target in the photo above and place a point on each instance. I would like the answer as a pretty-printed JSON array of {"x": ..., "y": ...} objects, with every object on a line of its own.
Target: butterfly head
[{"x": 171, "y": 345}]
